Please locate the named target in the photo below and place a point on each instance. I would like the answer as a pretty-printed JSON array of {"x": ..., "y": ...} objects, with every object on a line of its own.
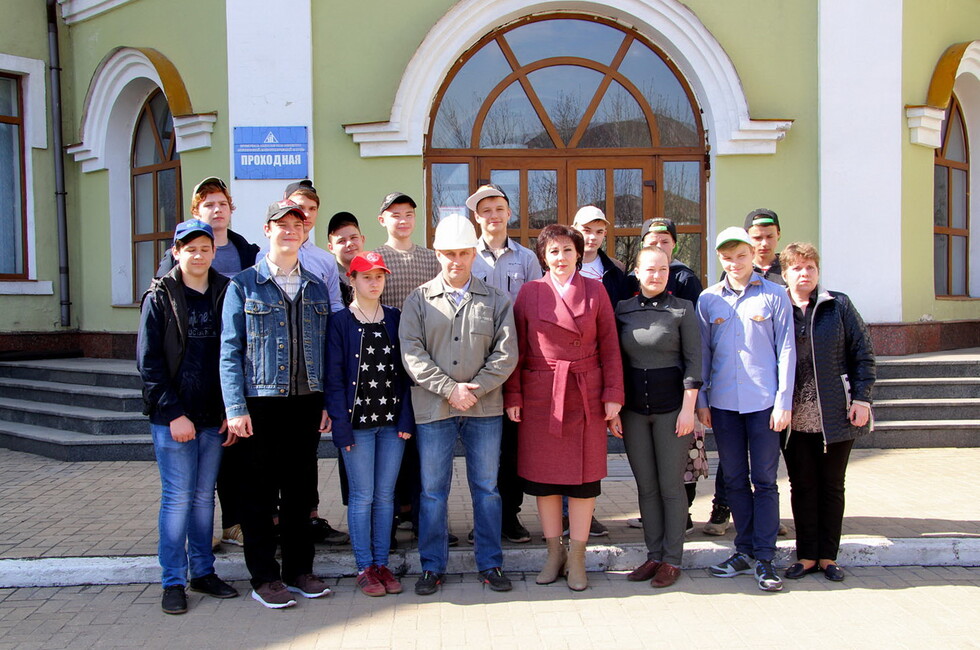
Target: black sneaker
[
  {"x": 453, "y": 540},
  {"x": 428, "y": 583},
  {"x": 324, "y": 533},
  {"x": 514, "y": 531},
  {"x": 496, "y": 579},
  {"x": 174, "y": 600},
  {"x": 767, "y": 577},
  {"x": 718, "y": 523},
  {"x": 214, "y": 586},
  {"x": 597, "y": 529},
  {"x": 469, "y": 537},
  {"x": 690, "y": 525}
]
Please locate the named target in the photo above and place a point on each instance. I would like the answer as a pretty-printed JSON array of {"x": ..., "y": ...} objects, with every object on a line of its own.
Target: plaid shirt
[
  {"x": 409, "y": 270},
  {"x": 288, "y": 281}
]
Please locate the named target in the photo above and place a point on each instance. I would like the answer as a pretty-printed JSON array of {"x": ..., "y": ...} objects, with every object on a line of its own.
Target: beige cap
[
  {"x": 588, "y": 214},
  {"x": 482, "y": 192},
  {"x": 453, "y": 233}
]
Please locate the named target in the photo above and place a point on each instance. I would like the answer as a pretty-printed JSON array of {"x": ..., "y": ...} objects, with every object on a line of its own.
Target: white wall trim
[
  {"x": 26, "y": 288},
  {"x": 668, "y": 23},
  {"x": 860, "y": 152},
  {"x": 110, "y": 83},
  {"x": 925, "y": 125},
  {"x": 73, "y": 11}
]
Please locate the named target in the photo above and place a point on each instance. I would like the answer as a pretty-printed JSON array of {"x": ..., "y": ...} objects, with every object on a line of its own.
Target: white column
[
  {"x": 270, "y": 83},
  {"x": 861, "y": 133}
]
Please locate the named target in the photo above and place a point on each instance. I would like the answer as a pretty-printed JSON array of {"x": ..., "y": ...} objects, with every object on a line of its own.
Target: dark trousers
[
  {"x": 229, "y": 478},
  {"x": 280, "y": 465},
  {"x": 816, "y": 481},
  {"x": 749, "y": 451},
  {"x": 509, "y": 484}
]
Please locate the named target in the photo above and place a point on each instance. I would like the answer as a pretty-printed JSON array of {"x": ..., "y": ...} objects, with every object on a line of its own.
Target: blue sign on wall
[{"x": 263, "y": 152}]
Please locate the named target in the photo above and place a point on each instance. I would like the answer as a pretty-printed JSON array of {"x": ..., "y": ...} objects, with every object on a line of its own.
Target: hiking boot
[
  {"x": 273, "y": 595},
  {"x": 174, "y": 600},
  {"x": 213, "y": 586},
  {"x": 767, "y": 577},
  {"x": 324, "y": 533},
  {"x": 308, "y": 586},
  {"x": 737, "y": 565},
  {"x": 496, "y": 580},
  {"x": 428, "y": 583},
  {"x": 514, "y": 531},
  {"x": 718, "y": 523},
  {"x": 387, "y": 578},
  {"x": 233, "y": 535},
  {"x": 369, "y": 584}
]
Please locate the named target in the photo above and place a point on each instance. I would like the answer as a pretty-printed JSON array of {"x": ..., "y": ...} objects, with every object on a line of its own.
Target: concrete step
[
  {"x": 113, "y": 373},
  {"x": 926, "y": 387},
  {"x": 73, "y": 418},
  {"x": 959, "y": 408},
  {"x": 912, "y": 434},
  {"x": 127, "y": 400},
  {"x": 898, "y": 367},
  {"x": 74, "y": 446}
]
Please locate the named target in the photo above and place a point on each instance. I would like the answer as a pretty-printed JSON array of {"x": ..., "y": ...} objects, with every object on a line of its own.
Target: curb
[{"x": 854, "y": 552}]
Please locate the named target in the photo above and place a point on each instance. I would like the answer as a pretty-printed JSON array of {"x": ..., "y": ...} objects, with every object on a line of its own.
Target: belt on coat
[{"x": 562, "y": 368}]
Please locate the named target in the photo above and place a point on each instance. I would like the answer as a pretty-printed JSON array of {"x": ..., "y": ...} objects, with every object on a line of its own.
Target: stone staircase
[{"x": 91, "y": 409}]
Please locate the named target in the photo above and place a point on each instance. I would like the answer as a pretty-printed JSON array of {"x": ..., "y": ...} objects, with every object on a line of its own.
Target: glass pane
[
  {"x": 564, "y": 37},
  {"x": 618, "y": 122},
  {"x": 959, "y": 266},
  {"x": 542, "y": 197},
  {"x": 11, "y": 201},
  {"x": 627, "y": 246},
  {"x": 512, "y": 123},
  {"x": 162, "y": 120},
  {"x": 590, "y": 189},
  {"x": 940, "y": 263},
  {"x": 450, "y": 187},
  {"x": 143, "y": 203},
  {"x": 565, "y": 91},
  {"x": 682, "y": 192},
  {"x": 688, "y": 251},
  {"x": 628, "y": 192},
  {"x": 453, "y": 126},
  {"x": 955, "y": 146},
  {"x": 940, "y": 201},
  {"x": 167, "y": 200},
  {"x": 8, "y": 97},
  {"x": 146, "y": 265},
  {"x": 664, "y": 93},
  {"x": 510, "y": 181},
  {"x": 958, "y": 213},
  {"x": 145, "y": 151}
]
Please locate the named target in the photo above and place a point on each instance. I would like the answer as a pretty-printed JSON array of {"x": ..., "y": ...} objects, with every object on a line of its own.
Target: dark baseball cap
[
  {"x": 280, "y": 209},
  {"x": 210, "y": 180},
  {"x": 396, "y": 197},
  {"x": 305, "y": 184},
  {"x": 761, "y": 217},
  {"x": 187, "y": 230},
  {"x": 660, "y": 224},
  {"x": 340, "y": 220}
]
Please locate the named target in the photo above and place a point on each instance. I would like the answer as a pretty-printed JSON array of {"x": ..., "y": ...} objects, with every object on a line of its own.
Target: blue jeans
[
  {"x": 188, "y": 471},
  {"x": 372, "y": 469},
  {"x": 436, "y": 440},
  {"x": 745, "y": 440}
]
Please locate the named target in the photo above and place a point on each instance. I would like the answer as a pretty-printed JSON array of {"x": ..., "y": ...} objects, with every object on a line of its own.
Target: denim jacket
[{"x": 255, "y": 337}]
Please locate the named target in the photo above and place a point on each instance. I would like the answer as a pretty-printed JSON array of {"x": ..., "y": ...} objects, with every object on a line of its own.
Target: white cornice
[{"x": 74, "y": 11}]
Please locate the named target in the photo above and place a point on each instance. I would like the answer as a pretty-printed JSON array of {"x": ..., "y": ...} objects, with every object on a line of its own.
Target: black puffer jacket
[{"x": 843, "y": 363}]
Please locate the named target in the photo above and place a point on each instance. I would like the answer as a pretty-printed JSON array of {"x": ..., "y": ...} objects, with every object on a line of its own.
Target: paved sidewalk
[{"x": 875, "y": 608}]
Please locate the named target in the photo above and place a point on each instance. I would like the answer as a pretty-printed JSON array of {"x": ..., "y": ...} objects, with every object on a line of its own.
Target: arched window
[
  {"x": 155, "y": 188},
  {"x": 951, "y": 229},
  {"x": 570, "y": 110}
]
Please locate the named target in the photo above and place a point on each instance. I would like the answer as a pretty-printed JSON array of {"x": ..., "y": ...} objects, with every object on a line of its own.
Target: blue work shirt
[
  {"x": 748, "y": 347},
  {"x": 324, "y": 266},
  {"x": 509, "y": 272}
]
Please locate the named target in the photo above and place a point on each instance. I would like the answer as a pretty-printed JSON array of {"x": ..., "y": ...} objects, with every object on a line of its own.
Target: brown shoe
[
  {"x": 667, "y": 575},
  {"x": 273, "y": 595},
  {"x": 391, "y": 583},
  {"x": 644, "y": 572},
  {"x": 308, "y": 586},
  {"x": 369, "y": 584}
]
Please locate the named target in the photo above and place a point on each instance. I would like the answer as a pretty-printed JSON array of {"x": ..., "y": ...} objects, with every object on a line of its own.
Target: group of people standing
[{"x": 528, "y": 358}]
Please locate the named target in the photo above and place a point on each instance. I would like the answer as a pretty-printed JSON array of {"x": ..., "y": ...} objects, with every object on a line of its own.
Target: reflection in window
[
  {"x": 664, "y": 93},
  {"x": 565, "y": 91},
  {"x": 13, "y": 216},
  {"x": 546, "y": 39},
  {"x": 618, "y": 122},
  {"x": 542, "y": 197},
  {"x": 682, "y": 192},
  {"x": 951, "y": 196},
  {"x": 453, "y": 126},
  {"x": 450, "y": 187},
  {"x": 512, "y": 123}
]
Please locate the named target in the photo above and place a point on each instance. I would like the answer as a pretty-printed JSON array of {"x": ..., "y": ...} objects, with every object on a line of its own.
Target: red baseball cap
[{"x": 364, "y": 262}]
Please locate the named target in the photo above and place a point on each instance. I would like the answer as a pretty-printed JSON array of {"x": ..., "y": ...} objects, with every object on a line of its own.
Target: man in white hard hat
[{"x": 459, "y": 345}]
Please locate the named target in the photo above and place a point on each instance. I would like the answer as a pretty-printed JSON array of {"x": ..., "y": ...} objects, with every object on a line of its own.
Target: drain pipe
[{"x": 59, "y": 162}]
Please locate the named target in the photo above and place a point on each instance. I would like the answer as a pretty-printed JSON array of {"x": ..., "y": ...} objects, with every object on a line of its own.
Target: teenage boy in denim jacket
[
  {"x": 272, "y": 362},
  {"x": 177, "y": 356}
]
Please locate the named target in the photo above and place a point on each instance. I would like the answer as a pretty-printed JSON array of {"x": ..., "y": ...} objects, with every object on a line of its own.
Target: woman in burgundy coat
[{"x": 567, "y": 389}]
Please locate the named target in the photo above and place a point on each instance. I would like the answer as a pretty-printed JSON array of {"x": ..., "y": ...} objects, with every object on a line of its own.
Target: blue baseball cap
[{"x": 190, "y": 229}]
